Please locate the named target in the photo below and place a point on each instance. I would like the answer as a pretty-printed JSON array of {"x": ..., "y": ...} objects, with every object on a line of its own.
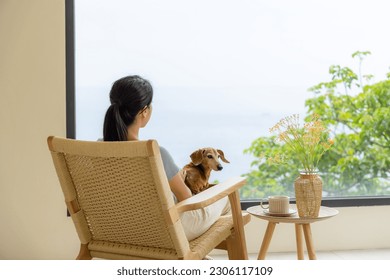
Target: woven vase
[{"x": 308, "y": 194}]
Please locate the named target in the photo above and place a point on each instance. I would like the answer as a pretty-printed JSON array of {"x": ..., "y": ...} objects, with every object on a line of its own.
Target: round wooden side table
[{"x": 301, "y": 224}]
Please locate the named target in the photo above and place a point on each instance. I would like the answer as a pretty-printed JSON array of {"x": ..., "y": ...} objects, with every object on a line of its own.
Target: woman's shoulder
[
  {"x": 170, "y": 166},
  {"x": 164, "y": 152}
]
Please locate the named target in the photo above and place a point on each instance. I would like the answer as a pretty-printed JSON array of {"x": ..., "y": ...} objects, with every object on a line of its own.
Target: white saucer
[{"x": 290, "y": 213}]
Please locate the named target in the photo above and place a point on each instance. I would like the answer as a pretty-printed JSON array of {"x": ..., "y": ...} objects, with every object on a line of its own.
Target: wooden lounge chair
[{"x": 122, "y": 207}]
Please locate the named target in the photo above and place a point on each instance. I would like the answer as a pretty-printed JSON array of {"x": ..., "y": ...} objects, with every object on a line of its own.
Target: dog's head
[{"x": 209, "y": 157}]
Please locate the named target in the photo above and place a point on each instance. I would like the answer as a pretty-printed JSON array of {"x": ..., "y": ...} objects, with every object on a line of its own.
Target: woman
[{"x": 131, "y": 108}]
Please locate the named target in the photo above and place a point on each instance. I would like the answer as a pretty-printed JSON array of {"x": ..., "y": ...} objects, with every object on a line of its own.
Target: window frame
[{"x": 352, "y": 201}]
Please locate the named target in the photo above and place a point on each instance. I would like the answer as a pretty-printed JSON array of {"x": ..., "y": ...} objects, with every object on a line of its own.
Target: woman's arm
[
  {"x": 175, "y": 176},
  {"x": 178, "y": 187}
]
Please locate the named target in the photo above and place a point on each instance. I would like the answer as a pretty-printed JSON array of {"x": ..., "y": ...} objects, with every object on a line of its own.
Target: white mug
[{"x": 277, "y": 204}]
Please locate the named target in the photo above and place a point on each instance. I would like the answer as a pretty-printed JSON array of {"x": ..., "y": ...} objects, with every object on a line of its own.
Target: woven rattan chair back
[{"x": 117, "y": 193}]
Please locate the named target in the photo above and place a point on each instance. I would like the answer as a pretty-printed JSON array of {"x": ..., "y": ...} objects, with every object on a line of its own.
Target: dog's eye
[{"x": 209, "y": 156}]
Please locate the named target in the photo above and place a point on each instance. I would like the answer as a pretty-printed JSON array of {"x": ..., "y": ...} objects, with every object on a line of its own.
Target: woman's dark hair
[{"x": 128, "y": 96}]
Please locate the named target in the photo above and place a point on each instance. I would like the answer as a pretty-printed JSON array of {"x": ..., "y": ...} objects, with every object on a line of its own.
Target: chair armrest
[{"x": 211, "y": 195}]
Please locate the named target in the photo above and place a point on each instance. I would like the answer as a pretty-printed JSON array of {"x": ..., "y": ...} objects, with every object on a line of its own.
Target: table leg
[
  {"x": 266, "y": 240},
  {"x": 309, "y": 241},
  {"x": 298, "y": 236}
]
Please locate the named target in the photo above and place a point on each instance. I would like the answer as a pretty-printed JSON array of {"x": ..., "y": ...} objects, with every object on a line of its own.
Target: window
[{"x": 223, "y": 72}]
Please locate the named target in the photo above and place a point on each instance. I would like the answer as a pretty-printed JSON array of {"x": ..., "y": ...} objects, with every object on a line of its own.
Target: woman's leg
[{"x": 197, "y": 222}]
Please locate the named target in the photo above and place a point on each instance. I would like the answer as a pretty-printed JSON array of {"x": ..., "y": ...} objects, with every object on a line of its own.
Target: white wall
[{"x": 33, "y": 223}]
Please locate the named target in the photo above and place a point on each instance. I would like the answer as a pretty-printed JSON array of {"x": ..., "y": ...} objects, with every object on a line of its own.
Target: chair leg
[
  {"x": 231, "y": 249},
  {"x": 84, "y": 253},
  {"x": 236, "y": 244}
]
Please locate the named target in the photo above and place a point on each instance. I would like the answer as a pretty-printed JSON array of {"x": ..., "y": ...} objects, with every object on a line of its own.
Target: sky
[
  {"x": 223, "y": 71},
  {"x": 235, "y": 43}
]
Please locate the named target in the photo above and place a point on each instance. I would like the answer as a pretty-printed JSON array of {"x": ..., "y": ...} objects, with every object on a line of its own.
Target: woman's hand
[{"x": 183, "y": 174}]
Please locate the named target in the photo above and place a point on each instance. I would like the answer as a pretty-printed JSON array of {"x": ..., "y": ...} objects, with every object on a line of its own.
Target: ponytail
[{"x": 114, "y": 128}]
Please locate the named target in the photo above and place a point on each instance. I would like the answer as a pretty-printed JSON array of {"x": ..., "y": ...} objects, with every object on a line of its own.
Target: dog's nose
[{"x": 219, "y": 167}]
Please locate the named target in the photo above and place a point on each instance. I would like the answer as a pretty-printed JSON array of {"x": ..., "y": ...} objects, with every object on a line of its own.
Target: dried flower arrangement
[{"x": 308, "y": 143}]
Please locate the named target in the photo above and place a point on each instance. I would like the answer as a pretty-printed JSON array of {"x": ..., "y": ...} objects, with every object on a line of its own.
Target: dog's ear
[
  {"x": 221, "y": 154},
  {"x": 197, "y": 156}
]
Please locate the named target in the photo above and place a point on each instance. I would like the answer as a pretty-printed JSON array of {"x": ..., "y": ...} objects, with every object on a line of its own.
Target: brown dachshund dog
[{"x": 197, "y": 172}]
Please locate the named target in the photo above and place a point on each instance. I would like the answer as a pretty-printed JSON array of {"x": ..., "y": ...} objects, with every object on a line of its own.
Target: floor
[{"x": 372, "y": 254}]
